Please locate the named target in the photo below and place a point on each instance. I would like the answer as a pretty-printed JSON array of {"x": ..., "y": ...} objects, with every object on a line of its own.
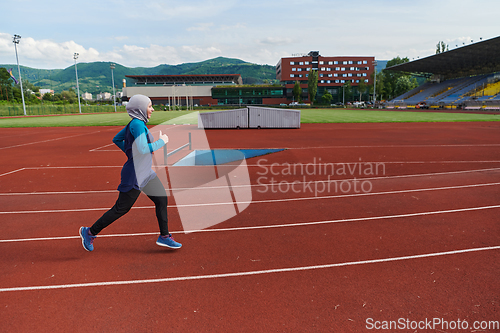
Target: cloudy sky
[{"x": 149, "y": 33}]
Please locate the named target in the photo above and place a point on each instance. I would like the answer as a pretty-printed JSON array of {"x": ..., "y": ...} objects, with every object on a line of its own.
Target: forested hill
[{"x": 95, "y": 77}]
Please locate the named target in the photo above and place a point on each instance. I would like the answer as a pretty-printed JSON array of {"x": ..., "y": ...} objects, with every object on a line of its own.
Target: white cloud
[
  {"x": 201, "y": 27},
  {"x": 275, "y": 41}
]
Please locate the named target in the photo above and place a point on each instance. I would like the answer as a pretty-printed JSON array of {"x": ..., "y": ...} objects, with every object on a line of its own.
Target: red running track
[{"x": 422, "y": 244}]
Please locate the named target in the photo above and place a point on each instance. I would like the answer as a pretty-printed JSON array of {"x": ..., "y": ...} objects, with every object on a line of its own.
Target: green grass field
[{"x": 185, "y": 117}]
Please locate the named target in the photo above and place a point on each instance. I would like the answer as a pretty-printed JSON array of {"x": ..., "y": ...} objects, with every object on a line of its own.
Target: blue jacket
[{"x": 136, "y": 142}]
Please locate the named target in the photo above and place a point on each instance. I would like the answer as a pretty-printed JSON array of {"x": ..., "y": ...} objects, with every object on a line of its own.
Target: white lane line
[
  {"x": 49, "y": 140},
  {"x": 249, "y": 273},
  {"x": 298, "y": 224},
  {"x": 61, "y": 192},
  {"x": 400, "y": 146},
  {"x": 110, "y": 144},
  {"x": 11, "y": 172},
  {"x": 66, "y": 210},
  {"x": 256, "y": 201},
  {"x": 253, "y": 185}
]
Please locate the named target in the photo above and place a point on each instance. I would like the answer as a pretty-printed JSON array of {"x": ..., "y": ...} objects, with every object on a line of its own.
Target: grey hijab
[{"x": 137, "y": 107}]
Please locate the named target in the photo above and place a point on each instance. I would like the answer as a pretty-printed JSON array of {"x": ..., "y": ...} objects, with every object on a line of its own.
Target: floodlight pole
[
  {"x": 375, "y": 83},
  {"x": 112, "y": 66},
  {"x": 16, "y": 41},
  {"x": 75, "y": 56}
]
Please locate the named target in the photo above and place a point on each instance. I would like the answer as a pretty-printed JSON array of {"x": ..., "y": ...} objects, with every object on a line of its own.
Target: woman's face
[{"x": 150, "y": 110}]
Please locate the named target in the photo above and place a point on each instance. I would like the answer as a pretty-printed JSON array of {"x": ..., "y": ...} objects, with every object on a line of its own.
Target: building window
[
  {"x": 294, "y": 69},
  {"x": 343, "y": 68},
  {"x": 335, "y": 75},
  {"x": 335, "y": 62},
  {"x": 330, "y": 75},
  {"x": 350, "y": 74},
  {"x": 306, "y": 63},
  {"x": 352, "y": 68},
  {"x": 364, "y": 74},
  {"x": 292, "y": 63},
  {"x": 337, "y": 68},
  {"x": 344, "y": 75},
  {"x": 330, "y": 63},
  {"x": 365, "y": 62},
  {"x": 321, "y": 62},
  {"x": 344, "y": 62},
  {"x": 301, "y": 63},
  {"x": 323, "y": 69}
]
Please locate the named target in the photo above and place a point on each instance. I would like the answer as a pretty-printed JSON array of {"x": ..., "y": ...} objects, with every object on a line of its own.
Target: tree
[
  {"x": 326, "y": 98},
  {"x": 312, "y": 85},
  {"x": 347, "y": 91},
  {"x": 5, "y": 84},
  {"x": 297, "y": 91},
  {"x": 403, "y": 84},
  {"x": 441, "y": 47},
  {"x": 391, "y": 77}
]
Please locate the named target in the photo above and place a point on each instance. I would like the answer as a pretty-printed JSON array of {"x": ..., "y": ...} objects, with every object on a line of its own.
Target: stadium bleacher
[{"x": 467, "y": 77}]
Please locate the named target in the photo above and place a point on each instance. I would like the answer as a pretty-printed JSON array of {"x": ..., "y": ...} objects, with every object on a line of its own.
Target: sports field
[
  {"x": 307, "y": 116},
  {"x": 352, "y": 227}
]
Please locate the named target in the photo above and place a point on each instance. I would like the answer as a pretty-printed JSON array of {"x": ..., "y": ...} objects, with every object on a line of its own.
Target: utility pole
[
  {"x": 16, "y": 41},
  {"x": 375, "y": 83},
  {"x": 75, "y": 56},
  {"x": 112, "y": 66}
]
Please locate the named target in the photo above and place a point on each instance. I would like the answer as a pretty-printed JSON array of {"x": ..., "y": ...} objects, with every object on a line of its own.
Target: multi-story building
[
  {"x": 105, "y": 96},
  {"x": 179, "y": 89},
  {"x": 333, "y": 73},
  {"x": 86, "y": 96}
]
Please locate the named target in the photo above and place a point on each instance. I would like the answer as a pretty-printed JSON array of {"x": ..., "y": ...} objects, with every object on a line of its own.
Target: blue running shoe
[
  {"x": 168, "y": 241},
  {"x": 87, "y": 239}
]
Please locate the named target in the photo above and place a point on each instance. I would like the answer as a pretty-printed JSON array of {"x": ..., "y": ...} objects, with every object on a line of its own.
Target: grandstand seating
[{"x": 453, "y": 92}]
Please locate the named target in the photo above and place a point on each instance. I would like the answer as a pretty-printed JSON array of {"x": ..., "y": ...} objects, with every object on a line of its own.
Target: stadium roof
[
  {"x": 186, "y": 79},
  {"x": 478, "y": 58}
]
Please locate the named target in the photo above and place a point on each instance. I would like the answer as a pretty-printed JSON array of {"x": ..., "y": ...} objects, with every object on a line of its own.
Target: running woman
[{"x": 137, "y": 175}]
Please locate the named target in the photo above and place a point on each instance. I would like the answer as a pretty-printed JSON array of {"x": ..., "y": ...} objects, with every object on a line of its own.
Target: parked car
[{"x": 422, "y": 105}]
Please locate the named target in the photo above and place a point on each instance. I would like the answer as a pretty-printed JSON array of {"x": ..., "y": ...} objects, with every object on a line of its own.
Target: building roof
[
  {"x": 186, "y": 79},
  {"x": 478, "y": 58}
]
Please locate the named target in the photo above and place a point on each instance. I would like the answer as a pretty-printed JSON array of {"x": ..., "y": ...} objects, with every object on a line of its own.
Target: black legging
[{"x": 155, "y": 191}]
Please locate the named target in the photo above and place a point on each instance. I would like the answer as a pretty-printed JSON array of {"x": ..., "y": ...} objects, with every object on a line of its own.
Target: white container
[
  {"x": 237, "y": 118},
  {"x": 260, "y": 117}
]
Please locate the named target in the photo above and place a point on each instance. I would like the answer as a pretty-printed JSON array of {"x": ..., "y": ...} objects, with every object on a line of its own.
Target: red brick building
[{"x": 333, "y": 73}]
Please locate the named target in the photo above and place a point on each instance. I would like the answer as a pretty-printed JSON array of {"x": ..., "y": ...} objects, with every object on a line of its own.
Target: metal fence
[{"x": 41, "y": 109}]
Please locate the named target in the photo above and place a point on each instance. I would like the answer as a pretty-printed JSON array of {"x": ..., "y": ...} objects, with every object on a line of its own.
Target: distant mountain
[{"x": 95, "y": 77}]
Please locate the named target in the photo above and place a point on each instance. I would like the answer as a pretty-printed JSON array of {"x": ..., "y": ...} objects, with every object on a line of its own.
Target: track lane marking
[
  {"x": 257, "y": 201},
  {"x": 251, "y": 185},
  {"x": 248, "y": 273},
  {"x": 297, "y": 224}
]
